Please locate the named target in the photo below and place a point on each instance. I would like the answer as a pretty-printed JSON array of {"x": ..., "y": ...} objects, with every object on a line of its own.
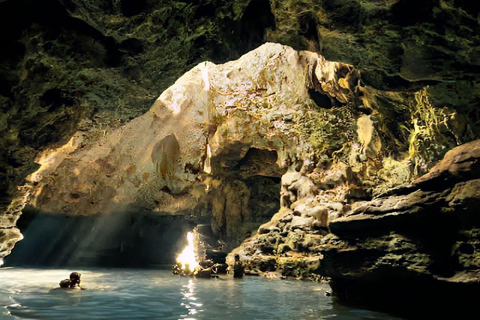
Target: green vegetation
[
  {"x": 427, "y": 140},
  {"x": 327, "y": 130}
]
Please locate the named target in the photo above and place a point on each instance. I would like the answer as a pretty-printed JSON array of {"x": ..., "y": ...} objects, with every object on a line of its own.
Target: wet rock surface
[
  {"x": 392, "y": 252},
  {"x": 413, "y": 242}
]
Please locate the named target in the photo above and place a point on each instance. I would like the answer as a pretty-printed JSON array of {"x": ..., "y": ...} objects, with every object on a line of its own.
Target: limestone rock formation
[
  {"x": 418, "y": 241},
  {"x": 217, "y": 142},
  {"x": 9, "y": 233},
  {"x": 92, "y": 66},
  {"x": 415, "y": 241}
]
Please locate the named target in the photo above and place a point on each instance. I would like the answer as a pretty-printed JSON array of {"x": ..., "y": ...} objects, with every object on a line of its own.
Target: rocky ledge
[{"x": 415, "y": 247}]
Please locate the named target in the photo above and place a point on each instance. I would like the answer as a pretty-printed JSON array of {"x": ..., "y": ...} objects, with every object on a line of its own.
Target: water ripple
[{"x": 153, "y": 294}]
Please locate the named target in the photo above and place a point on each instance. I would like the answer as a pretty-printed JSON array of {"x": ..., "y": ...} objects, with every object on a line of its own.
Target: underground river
[{"x": 156, "y": 294}]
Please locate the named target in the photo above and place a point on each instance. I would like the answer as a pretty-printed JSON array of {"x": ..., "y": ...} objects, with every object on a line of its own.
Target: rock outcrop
[
  {"x": 235, "y": 142},
  {"x": 214, "y": 145},
  {"x": 92, "y": 66},
  {"x": 414, "y": 242}
]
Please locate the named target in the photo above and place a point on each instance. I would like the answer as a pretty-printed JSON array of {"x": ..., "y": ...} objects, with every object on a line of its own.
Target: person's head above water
[{"x": 74, "y": 279}]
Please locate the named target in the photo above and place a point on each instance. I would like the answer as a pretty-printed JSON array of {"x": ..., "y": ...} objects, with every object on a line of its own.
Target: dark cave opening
[
  {"x": 308, "y": 25},
  {"x": 249, "y": 193},
  {"x": 321, "y": 100},
  {"x": 120, "y": 239},
  {"x": 53, "y": 99},
  {"x": 237, "y": 37},
  {"x": 131, "y": 8},
  {"x": 255, "y": 20},
  {"x": 256, "y": 157}
]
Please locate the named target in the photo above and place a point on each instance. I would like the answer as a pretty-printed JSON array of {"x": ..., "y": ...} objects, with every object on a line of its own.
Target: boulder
[{"x": 417, "y": 241}]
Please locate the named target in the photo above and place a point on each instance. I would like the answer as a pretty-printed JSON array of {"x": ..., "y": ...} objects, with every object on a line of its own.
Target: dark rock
[
  {"x": 414, "y": 242},
  {"x": 216, "y": 256}
]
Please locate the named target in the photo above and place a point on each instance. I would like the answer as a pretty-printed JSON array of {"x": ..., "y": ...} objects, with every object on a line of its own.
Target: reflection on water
[
  {"x": 189, "y": 301},
  {"x": 153, "y": 294}
]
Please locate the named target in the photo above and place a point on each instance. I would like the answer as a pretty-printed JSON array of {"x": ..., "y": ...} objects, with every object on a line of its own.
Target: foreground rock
[
  {"x": 413, "y": 250},
  {"x": 416, "y": 247}
]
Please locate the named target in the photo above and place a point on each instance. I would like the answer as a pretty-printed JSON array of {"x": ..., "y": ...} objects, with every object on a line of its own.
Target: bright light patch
[
  {"x": 187, "y": 257},
  {"x": 207, "y": 168},
  {"x": 206, "y": 82},
  {"x": 50, "y": 159}
]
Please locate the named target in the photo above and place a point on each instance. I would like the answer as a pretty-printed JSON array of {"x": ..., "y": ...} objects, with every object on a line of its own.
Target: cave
[
  {"x": 134, "y": 131},
  {"x": 321, "y": 100}
]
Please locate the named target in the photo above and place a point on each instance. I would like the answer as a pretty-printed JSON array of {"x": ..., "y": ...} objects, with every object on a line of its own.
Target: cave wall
[
  {"x": 77, "y": 76},
  {"x": 93, "y": 65},
  {"x": 216, "y": 143},
  {"x": 420, "y": 239},
  {"x": 286, "y": 148}
]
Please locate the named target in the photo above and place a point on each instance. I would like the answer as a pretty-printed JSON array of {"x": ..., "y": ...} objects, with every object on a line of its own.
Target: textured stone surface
[
  {"x": 421, "y": 240},
  {"x": 414, "y": 241},
  {"x": 215, "y": 145},
  {"x": 161, "y": 154},
  {"x": 94, "y": 65},
  {"x": 8, "y": 238},
  {"x": 9, "y": 233}
]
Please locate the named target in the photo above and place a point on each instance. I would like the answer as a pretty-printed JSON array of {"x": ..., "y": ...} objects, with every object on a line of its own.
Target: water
[{"x": 156, "y": 294}]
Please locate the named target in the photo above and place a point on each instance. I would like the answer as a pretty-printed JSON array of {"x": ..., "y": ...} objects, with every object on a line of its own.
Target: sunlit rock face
[
  {"x": 9, "y": 233},
  {"x": 92, "y": 65},
  {"x": 156, "y": 160},
  {"x": 233, "y": 143},
  {"x": 214, "y": 144}
]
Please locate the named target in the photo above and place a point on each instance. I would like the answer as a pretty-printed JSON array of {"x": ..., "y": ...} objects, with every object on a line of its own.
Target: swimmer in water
[{"x": 73, "y": 282}]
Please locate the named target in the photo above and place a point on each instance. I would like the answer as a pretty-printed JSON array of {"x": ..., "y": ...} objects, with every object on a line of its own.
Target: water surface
[{"x": 156, "y": 294}]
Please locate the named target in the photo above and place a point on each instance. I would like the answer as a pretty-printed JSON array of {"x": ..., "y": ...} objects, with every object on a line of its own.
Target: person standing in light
[{"x": 187, "y": 257}]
